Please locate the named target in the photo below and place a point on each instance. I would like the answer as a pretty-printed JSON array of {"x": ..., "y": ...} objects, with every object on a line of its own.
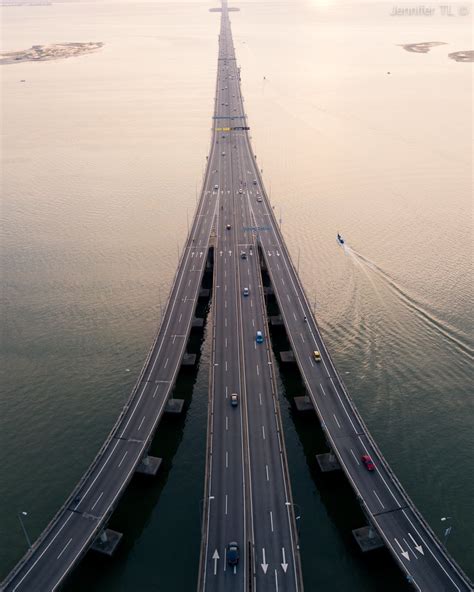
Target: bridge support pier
[
  {"x": 368, "y": 538},
  {"x": 174, "y": 406},
  {"x": 188, "y": 359},
  {"x": 276, "y": 321},
  {"x": 149, "y": 466},
  {"x": 328, "y": 462},
  {"x": 107, "y": 542},
  {"x": 303, "y": 403},
  {"x": 288, "y": 357}
]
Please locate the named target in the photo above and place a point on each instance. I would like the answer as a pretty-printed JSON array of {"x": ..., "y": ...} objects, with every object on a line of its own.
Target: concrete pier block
[
  {"x": 197, "y": 322},
  {"x": 149, "y": 466},
  {"x": 174, "y": 406},
  {"x": 204, "y": 293},
  {"x": 189, "y": 360},
  {"x": 276, "y": 321},
  {"x": 287, "y": 357},
  {"x": 367, "y": 538},
  {"x": 328, "y": 462},
  {"x": 303, "y": 403},
  {"x": 107, "y": 542}
]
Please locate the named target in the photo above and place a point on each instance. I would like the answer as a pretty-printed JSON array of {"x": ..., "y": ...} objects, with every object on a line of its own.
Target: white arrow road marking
[
  {"x": 284, "y": 564},
  {"x": 419, "y": 548},
  {"x": 404, "y": 553},
  {"x": 264, "y": 564},
  {"x": 215, "y": 556}
]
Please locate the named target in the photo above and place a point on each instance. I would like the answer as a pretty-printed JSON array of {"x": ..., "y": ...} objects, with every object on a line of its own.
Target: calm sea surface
[{"x": 101, "y": 158}]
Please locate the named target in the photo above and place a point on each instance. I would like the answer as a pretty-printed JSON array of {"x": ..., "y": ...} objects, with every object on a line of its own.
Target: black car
[{"x": 233, "y": 554}]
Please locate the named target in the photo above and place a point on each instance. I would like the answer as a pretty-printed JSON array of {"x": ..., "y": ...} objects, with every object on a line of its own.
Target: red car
[{"x": 369, "y": 465}]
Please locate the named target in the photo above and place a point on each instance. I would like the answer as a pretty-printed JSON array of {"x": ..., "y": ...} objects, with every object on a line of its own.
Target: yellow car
[{"x": 316, "y": 355}]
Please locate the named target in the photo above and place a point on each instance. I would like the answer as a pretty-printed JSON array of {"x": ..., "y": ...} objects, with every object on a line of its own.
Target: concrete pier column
[
  {"x": 149, "y": 465},
  {"x": 368, "y": 538},
  {"x": 107, "y": 542}
]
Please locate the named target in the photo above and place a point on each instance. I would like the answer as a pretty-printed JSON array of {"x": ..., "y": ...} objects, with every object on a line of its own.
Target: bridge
[{"x": 247, "y": 492}]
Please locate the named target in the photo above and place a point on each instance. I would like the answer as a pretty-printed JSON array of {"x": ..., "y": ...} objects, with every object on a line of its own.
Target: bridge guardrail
[
  {"x": 100, "y": 454},
  {"x": 349, "y": 399}
]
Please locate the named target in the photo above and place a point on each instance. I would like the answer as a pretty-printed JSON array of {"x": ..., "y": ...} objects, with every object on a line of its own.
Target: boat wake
[{"x": 429, "y": 318}]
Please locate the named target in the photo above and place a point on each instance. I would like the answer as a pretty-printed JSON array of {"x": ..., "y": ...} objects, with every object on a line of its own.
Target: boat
[{"x": 340, "y": 240}]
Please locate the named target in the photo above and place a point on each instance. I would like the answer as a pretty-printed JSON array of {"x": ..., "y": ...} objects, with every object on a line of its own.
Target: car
[
  {"x": 316, "y": 355},
  {"x": 216, "y": 187},
  {"x": 240, "y": 190},
  {"x": 259, "y": 337},
  {"x": 243, "y": 255},
  {"x": 255, "y": 181},
  {"x": 246, "y": 292},
  {"x": 259, "y": 198},
  {"x": 233, "y": 554},
  {"x": 223, "y": 154},
  {"x": 228, "y": 226},
  {"x": 234, "y": 399},
  {"x": 369, "y": 465}
]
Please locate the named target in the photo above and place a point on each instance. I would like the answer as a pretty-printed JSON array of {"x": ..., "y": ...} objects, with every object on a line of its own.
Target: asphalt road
[
  {"x": 77, "y": 523},
  {"x": 248, "y": 497},
  {"x": 410, "y": 539}
]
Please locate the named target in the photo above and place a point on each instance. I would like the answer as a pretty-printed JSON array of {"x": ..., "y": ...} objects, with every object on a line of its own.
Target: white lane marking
[
  {"x": 226, "y": 459},
  {"x": 189, "y": 283},
  {"x": 260, "y": 397},
  {"x": 380, "y": 501},
  {"x": 311, "y": 361},
  {"x": 343, "y": 406},
  {"x": 324, "y": 392},
  {"x": 266, "y": 471},
  {"x": 253, "y": 323},
  {"x": 141, "y": 423},
  {"x": 174, "y": 338},
  {"x": 97, "y": 501},
  {"x": 226, "y": 365},
  {"x": 271, "y": 520},
  {"x": 258, "y": 371},
  {"x": 276, "y": 581},
  {"x": 226, "y": 504},
  {"x": 302, "y": 338},
  {"x": 263, "y": 432},
  {"x": 226, "y": 341},
  {"x": 226, "y": 422},
  {"x": 381, "y": 476},
  {"x": 64, "y": 548},
  {"x": 225, "y": 303},
  {"x": 225, "y": 322},
  {"x": 180, "y": 317},
  {"x": 226, "y": 391},
  {"x": 355, "y": 457},
  {"x": 403, "y": 552},
  {"x": 294, "y": 314},
  {"x": 288, "y": 298},
  {"x": 418, "y": 547},
  {"x": 429, "y": 549},
  {"x": 166, "y": 363},
  {"x": 335, "y": 418},
  {"x": 123, "y": 458}
]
